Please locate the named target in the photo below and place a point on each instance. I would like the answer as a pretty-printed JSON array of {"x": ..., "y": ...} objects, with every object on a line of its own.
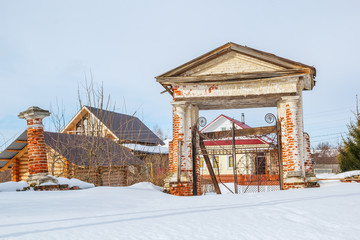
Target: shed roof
[
  {"x": 81, "y": 149},
  {"x": 76, "y": 149}
]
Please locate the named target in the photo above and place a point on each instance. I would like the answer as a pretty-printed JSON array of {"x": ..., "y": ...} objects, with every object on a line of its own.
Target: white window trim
[
  {"x": 212, "y": 162},
  {"x": 227, "y": 162},
  {"x": 204, "y": 167}
]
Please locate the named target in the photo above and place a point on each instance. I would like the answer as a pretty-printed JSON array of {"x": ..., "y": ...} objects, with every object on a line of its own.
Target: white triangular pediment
[{"x": 232, "y": 62}]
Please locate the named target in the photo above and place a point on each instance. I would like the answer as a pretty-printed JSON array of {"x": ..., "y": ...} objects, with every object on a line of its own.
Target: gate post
[
  {"x": 290, "y": 118},
  {"x": 181, "y": 169}
]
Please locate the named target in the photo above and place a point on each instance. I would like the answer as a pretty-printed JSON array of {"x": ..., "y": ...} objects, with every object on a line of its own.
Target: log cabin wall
[
  {"x": 101, "y": 176},
  {"x": 57, "y": 164},
  {"x": 20, "y": 167},
  {"x": 5, "y": 176}
]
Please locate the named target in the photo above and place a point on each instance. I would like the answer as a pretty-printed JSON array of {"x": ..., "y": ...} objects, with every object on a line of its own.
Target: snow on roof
[{"x": 148, "y": 149}]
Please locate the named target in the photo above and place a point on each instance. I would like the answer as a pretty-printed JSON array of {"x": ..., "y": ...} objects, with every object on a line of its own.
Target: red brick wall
[
  {"x": 185, "y": 187},
  {"x": 36, "y": 146},
  {"x": 292, "y": 142},
  {"x": 308, "y": 162}
]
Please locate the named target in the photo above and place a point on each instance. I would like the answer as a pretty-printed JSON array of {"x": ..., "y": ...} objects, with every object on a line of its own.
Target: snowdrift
[{"x": 19, "y": 186}]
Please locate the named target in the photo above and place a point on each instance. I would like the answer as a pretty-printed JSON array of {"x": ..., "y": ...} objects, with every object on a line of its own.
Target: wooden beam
[
  {"x": 231, "y": 76},
  {"x": 12, "y": 150},
  {"x": 6, "y": 166},
  {"x": 193, "y": 156},
  {"x": 336, "y": 179},
  {"x": 21, "y": 141},
  {"x": 242, "y": 132},
  {"x": 21, "y": 152},
  {"x": 208, "y": 165},
  {"x": 168, "y": 90}
]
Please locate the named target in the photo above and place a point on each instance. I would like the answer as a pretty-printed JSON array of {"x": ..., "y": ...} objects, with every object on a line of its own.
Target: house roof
[
  {"x": 241, "y": 125},
  {"x": 237, "y": 122},
  {"x": 126, "y": 127},
  {"x": 75, "y": 148}
]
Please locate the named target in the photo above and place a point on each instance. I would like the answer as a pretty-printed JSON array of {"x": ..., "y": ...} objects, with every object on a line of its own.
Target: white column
[{"x": 290, "y": 117}]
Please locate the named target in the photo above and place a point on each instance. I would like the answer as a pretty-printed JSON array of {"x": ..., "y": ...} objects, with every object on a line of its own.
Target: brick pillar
[
  {"x": 290, "y": 117},
  {"x": 38, "y": 169},
  {"x": 180, "y": 180},
  {"x": 308, "y": 161}
]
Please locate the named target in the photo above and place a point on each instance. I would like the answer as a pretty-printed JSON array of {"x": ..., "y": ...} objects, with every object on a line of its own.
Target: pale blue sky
[{"x": 46, "y": 47}]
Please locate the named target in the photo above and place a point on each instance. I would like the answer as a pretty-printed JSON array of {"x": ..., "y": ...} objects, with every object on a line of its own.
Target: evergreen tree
[{"x": 349, "y": 157}]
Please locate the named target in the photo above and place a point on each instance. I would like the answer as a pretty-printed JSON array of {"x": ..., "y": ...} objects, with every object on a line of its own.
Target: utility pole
[
  {"x": 234, "y": 159},
  {"x": 357, "y": 107}
]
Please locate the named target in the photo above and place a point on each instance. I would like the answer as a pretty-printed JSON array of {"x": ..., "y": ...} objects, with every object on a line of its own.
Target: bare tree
[
  {"x": 157, "y": 130},
  {"x": 101, "y": 157},
  {"x": 325, "y": 153}
]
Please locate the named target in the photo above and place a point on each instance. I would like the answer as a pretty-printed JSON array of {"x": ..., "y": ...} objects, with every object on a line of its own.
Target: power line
[{"x": 328, "y": 135}]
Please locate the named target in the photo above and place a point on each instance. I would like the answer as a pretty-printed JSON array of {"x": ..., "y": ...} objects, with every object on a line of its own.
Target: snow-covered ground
[
  {"x": 328, "y": 176},
  {"x": 19, "y": 186},
  {"x": 141, "y": 211}
]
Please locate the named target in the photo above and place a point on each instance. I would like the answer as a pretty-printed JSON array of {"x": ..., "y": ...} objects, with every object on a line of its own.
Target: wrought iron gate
[{"x": 257, "y": 153}]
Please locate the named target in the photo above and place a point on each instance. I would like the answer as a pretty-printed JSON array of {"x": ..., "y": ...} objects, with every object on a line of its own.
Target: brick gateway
[{"x": 234, "y": 77}]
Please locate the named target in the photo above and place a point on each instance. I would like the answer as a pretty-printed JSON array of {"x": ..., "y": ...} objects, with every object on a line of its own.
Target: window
[
  {"x": 82, "y": 126},
  {"x": 230, "y": 162},
  {"x": 202, "y": 162},
  {"x": 216, "y": 162},
  {"x": 223, "y": 129},
  {"x": 260, "y": 163}
]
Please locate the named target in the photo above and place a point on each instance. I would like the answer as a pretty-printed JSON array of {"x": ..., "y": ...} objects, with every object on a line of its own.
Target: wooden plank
[
  {"x": 234, "y": 158},
  {"x": 12, "y": 150},
  {"x": 167, "y": 90},
  {"x": 5, "y": 159},
  {"x": 21, "y": 141},
  {"x": 231, "y": 76},
  {"x": 242, "y": 132},
  {"x": 178, "y": 166},
  {"x": 340, "y": 179},
  {"x": 281, "y": 171},
  {"x": 208, "y": 165},
  {"x": 193, "y": 156}
]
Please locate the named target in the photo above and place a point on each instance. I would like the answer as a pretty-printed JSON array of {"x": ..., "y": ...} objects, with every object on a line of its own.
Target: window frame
[
  {"x": 218, "y": 162},
  {"x": 228, "y": 162}
]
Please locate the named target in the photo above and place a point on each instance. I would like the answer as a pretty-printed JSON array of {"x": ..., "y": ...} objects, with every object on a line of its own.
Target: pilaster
[{"x": 290, "y": 117}]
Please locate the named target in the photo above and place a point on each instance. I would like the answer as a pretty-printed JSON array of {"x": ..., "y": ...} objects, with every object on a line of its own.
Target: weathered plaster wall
[
  {"x": 254, "y": 87},
  {"x": 232, "y": 62},
  {"x": 180, "y": 164},
  {"x": 289, "y": 115},
  {"x": 308, "y": 162}
]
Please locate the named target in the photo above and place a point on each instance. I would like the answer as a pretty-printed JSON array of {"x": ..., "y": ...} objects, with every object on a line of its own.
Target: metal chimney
[{"x": 243, "y": 118}]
